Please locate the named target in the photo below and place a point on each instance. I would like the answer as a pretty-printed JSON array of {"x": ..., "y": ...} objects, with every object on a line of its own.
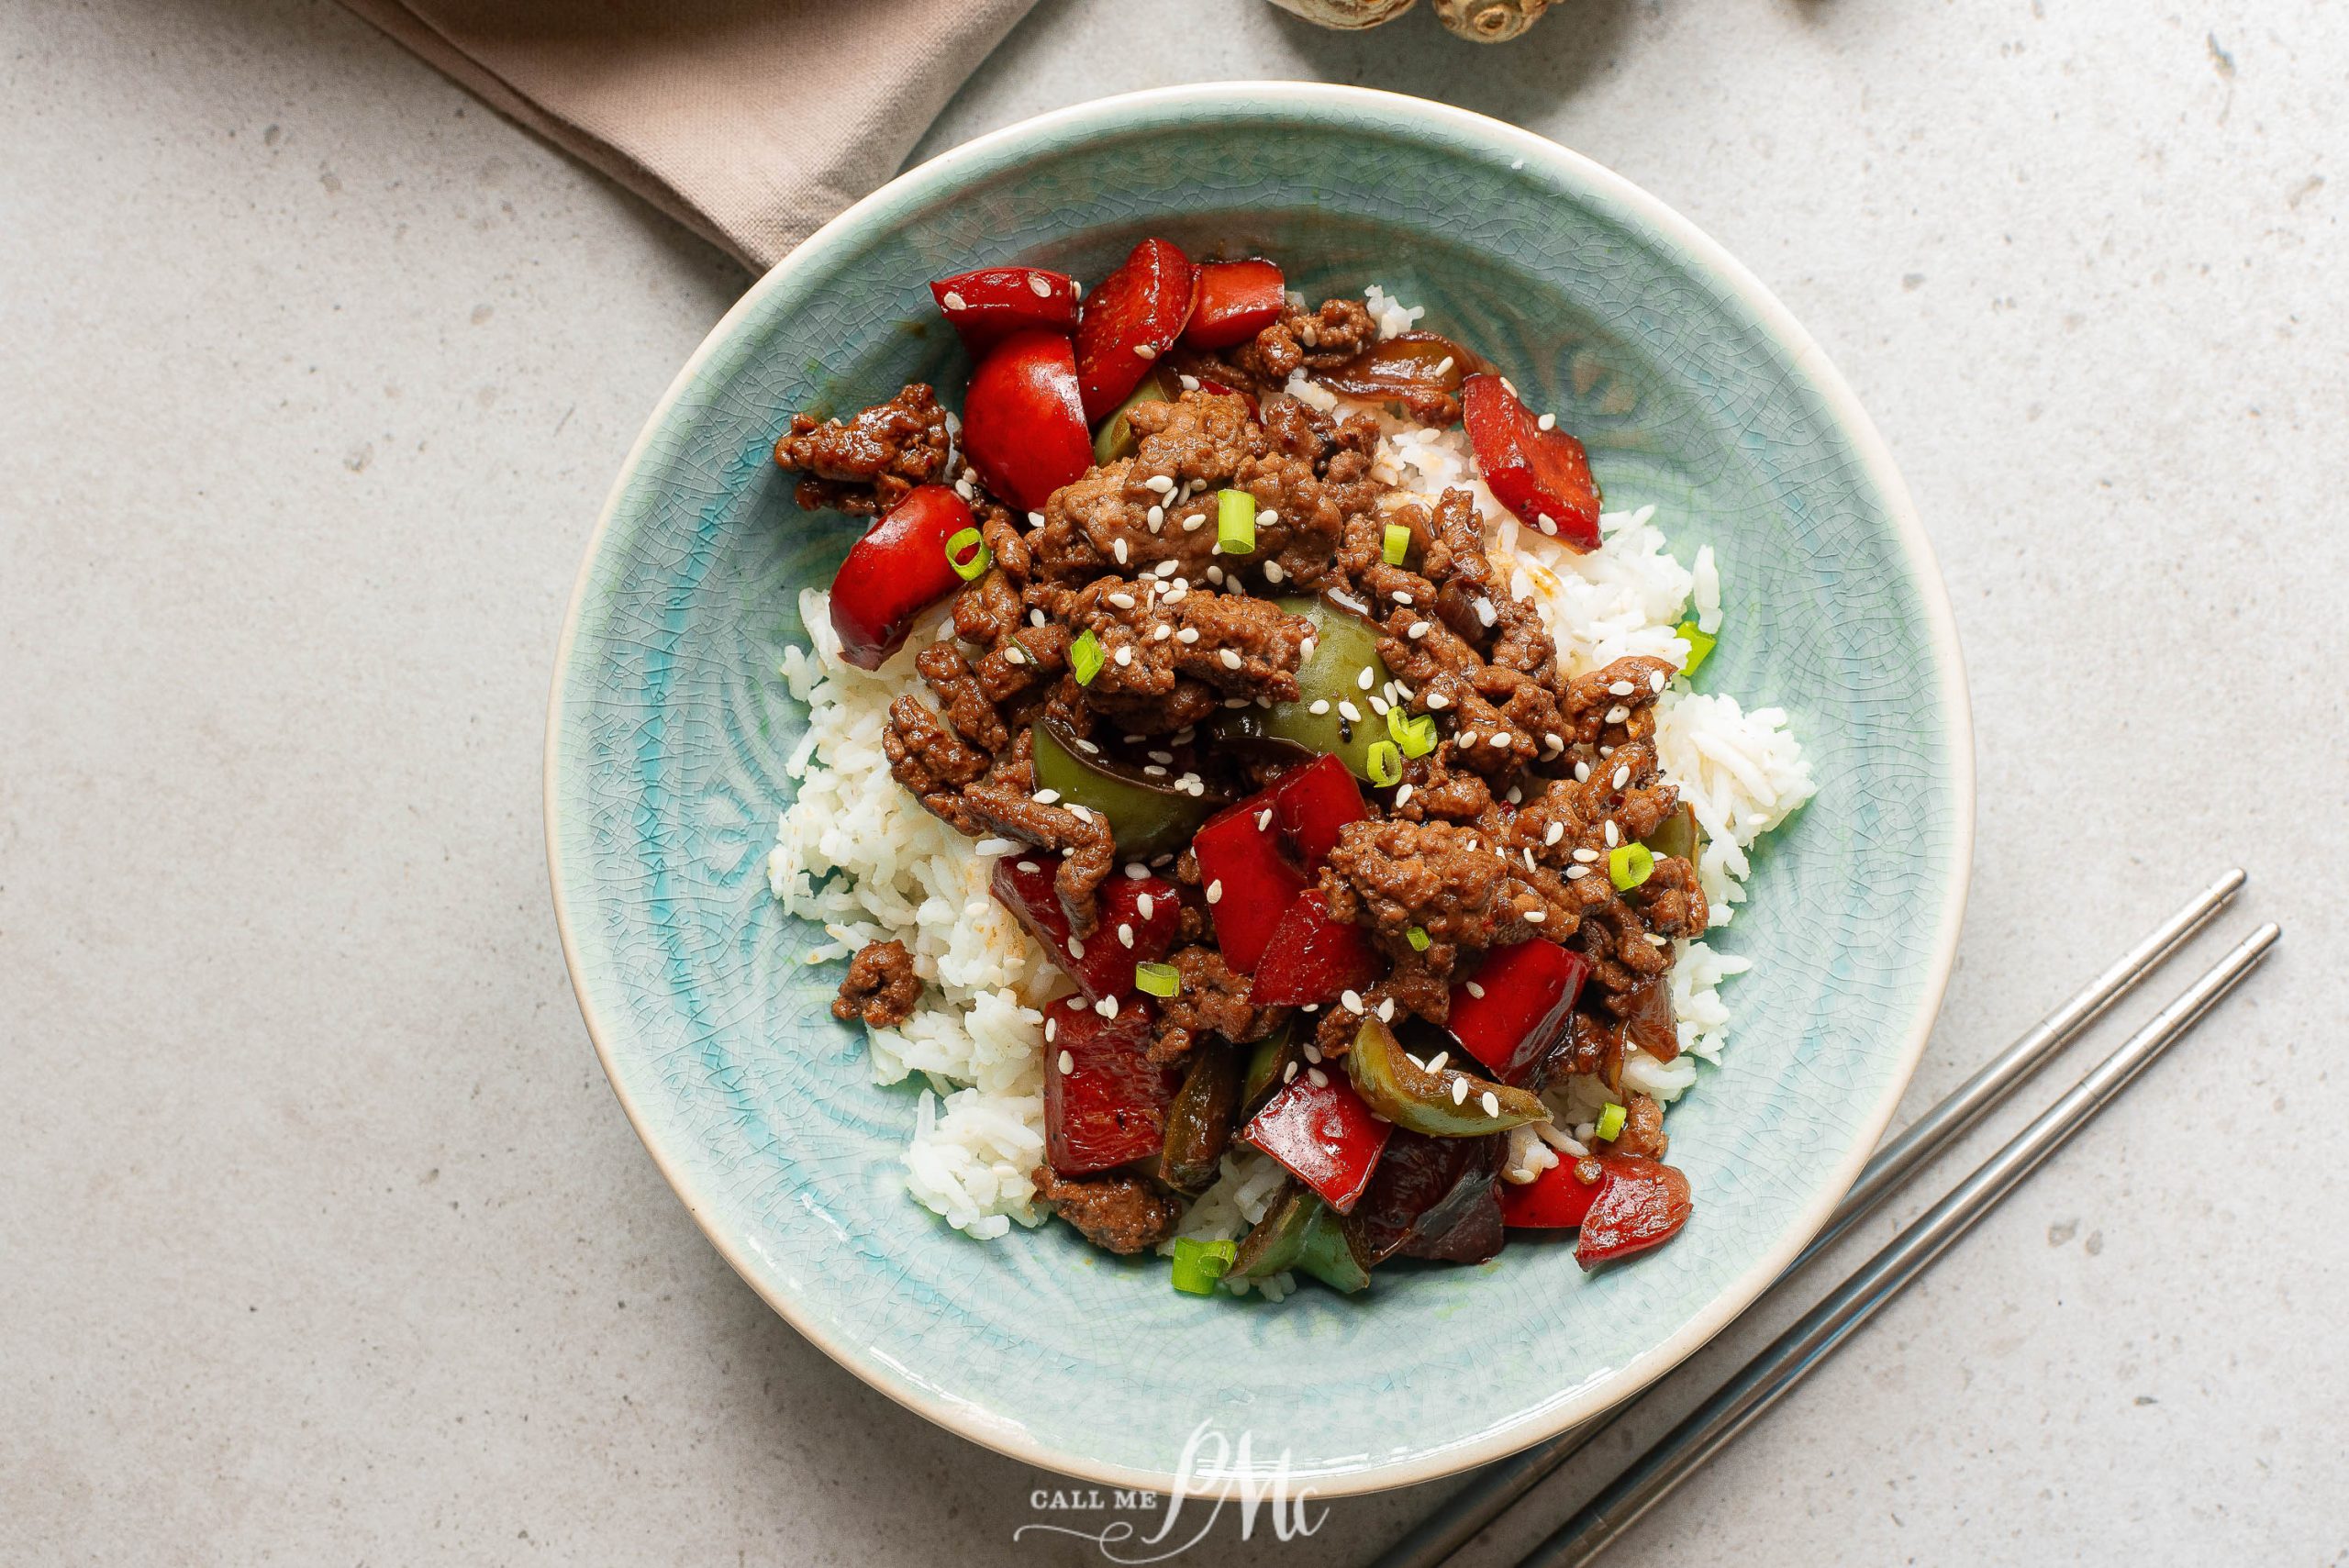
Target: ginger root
[
  {"x": 1347, "y": 15},
  {"x": 1489, "y": 21}
]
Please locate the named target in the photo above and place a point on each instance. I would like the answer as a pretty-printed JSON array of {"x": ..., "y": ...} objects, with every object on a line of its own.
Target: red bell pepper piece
[
  {"x": 1249, "y": 883},
  {"x": 1324, "y": 1135},
  {"x": 1107, "y": 1107},
  {"x": 1023, "y": 422},
  {"x": 1641, "y": 1204},
  {"x": 1312, "y": 803},
  {"x": 1103, "y": 964},
  {"x": 897, "y": 570},
  {"x": 1312, "y": 958},
  {"x": 1236, "y": 301},
  {"x": 1636, "y": 1204},
  {"x": 1541, "y": 475},
  {"x": 988, "y": 306},
  {"x": 1131, "y": 318},
  {"x": 1528, "y": 995},
  {"x": 1557, "y": 1199}
]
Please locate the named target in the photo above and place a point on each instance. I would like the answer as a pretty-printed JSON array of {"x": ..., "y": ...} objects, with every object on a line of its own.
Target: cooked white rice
[{"x": 860, "y": 856}]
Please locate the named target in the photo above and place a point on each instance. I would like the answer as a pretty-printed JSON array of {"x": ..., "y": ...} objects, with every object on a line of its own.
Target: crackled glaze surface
[{"x": 669, "y": 727}]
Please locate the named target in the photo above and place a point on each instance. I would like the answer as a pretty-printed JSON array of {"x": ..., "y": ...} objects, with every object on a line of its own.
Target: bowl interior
[{"x": 670, "y": 733}]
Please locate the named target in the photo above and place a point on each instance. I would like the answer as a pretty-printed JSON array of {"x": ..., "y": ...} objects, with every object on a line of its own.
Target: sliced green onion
[
  {"x": 1418, "y": 938},
  {"x": 1699, "y": 644},
  {"x": 1386, "y": 764},
  {"x": 1610, "y": 1123},
  {"x": 1396, "y": 544},
  {"x": 1158, "y": 979},
  {"x": 1198, "y": 1264},
  {"x": 1085, "y": 657},
  {"x": 1630, "y": 865},
  {"x": 967, "y": 553},
  {"x": 1415, "y": 736},
  {"x": 1235, "y": 522}
]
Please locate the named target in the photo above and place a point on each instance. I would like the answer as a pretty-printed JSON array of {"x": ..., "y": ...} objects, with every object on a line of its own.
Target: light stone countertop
[{"x": 322, "y": 1240}]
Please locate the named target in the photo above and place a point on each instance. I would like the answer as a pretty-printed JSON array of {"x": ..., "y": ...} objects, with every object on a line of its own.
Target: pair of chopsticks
[{"x": 1795, "y": 1353}]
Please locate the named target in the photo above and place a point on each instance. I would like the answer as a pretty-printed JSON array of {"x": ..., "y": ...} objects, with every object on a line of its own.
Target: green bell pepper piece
[
  {"x": 1147, "y": 817},
  {"x": 1444, "y": 1103},
  {"x": 1116, "y": 438},
  {"x": 1199, "y": 1122},
  {"x": 1343, "y": 646},
  {"x": 1279, "y": 1238}
]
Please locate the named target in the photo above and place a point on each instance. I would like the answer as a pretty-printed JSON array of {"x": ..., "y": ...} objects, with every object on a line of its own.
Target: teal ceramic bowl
[{"x": 669, "y": 727}]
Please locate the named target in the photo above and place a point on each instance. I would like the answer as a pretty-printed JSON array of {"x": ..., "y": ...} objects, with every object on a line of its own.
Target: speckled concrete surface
[{"x": 321, "y": 1240}]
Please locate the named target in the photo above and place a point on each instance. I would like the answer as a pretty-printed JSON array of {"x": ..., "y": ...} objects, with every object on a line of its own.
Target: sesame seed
[
  {"x": 1387, "y": 1010},
  {"x": 1438, "y": 701},
  {"x": 1089, "y": 748},
  {"x": 1613, "y": 835},
  {"x": 1035, "y": 520},
  {"x": 1318, "y": 1078},
  {"x": 1618, "y": 714},
  {"x": 1043, "y": 289},
  {"x": 1401, "y": 596},
  {"x": 1146, "y": 351},
  {"x": 1416, "y": 630},
  {"x": 1117, "y": 548},
  {"x": 1288, "y": 1073},
  {"x": 1068, "y": 1063},
  {"x": 1273, "y": 572},
  {"x": 1190, "y": 383},
  {"x": 1264, "y": 819},
  {"x": 1529, "y": 858},
  {"x": 1305, "y": 650},
  {"x": 1353, "y": 1000},
  {"x": 1509, "y": 386},
  {"x": 1499, "y": 740},
  {"x": 1107, "y": 1007},
  {"x": 1229, "y": 658},
  {"x": 1549, "y": 524},
  {"x": 994, "y": 846},
  {"x": 1492, "y": 1103},
  {"x": 1361, "y": 682},
  {"x": 956, "y": 302},
  {"x": 1547, "y": 422},
  {"x": 1535, "y": 916},
  {"x": 1047, "y": 796},
  {"x": 1586, "y": 855},
  {"x": 1653, "y": 940},
  {"x": 1125, "y": 653},
  {"x": 1012, "y": 655},
  {"x": 1157, "y": 516},
  {"x": 1136, "y": 870},
  {"x": 1192, "y": 524},
  {"x": 1622, "y": 776},
  {"x": 1476, "y": 989},
  {"x": 1153, "y": 770},
  {"x": 1125, "y": 934},
  {"x": 1516, "y": 794},
  {"x": 1082, "y": 814},
  {"x": 1267, "y": 518},
  {"x": 1318, "y": 705},
  {"x": 1485, "y": 614},
  {"x": 1347, "y": 710},
  {"x": 1554, "y": 741},
  {"x": 1443, "y": 366},
  {"x": 1379, "y": 706},
  {"x": 1577, "y": 873},
  {"x": 1052, "y": 1031},
  {"x": 1188, "y": 634},
  {"x": 1460, "y": 1091},
  {"x": 1159, "y": 482},
  {"x": 1582, "y": 772},
  {"x": 962, "y": 488},
  {"x": 1619, "y": 689},
  {"x": 1036, "y": 618},
  {"x": 1162, "y": 756},
  {"x": 1402, "y": 795},
  {"x": 1468, "y": 740},
  {"x": 1556, "y": 831},
  {"x": 1124, "y": 601},
  {"x": 1435, "y": 1062},
  {"x": 1031, "y": 867},
  {"x": 1215, "y": 573},
  {"x": 1312, "y": 1052}
]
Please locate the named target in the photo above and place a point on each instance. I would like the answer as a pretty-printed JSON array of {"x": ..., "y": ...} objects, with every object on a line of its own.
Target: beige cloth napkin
[{"x": 749, "y": 121}]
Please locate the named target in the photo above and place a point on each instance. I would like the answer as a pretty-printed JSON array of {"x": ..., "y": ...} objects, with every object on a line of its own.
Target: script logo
[{"x": 1122, "y": 1542}]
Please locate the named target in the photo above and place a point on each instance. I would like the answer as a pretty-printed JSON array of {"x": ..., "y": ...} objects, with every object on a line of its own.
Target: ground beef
[
  {"x": 961, "y": 698},
  {"x": 1616, "y": 705},
  {"x": 1170, "y": 659},
  {"x": 930, "y": 761},
  {"x": 881, "y": 987},
  {"x": 1322, "y": 339},
  {"x": 1088, "y": 855},
  {"x": 1642, "y": 1132},
  {"x": 1451, "y": 883},
  {"x": 1120, "y": 1213},
  {"x": 866, "y": 464},
  {"x": 1211, "y": 1000},
  {"x": 1474, "y": 601}
]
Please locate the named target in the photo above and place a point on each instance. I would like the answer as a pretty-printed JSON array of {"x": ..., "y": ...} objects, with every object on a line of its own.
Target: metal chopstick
[
  {"x": 1451, "y": 1524},
  {"x": 1820, "y": 1331}
]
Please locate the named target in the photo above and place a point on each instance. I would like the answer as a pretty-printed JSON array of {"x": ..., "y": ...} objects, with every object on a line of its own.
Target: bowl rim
[{"x": 1701, "y": 251}]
